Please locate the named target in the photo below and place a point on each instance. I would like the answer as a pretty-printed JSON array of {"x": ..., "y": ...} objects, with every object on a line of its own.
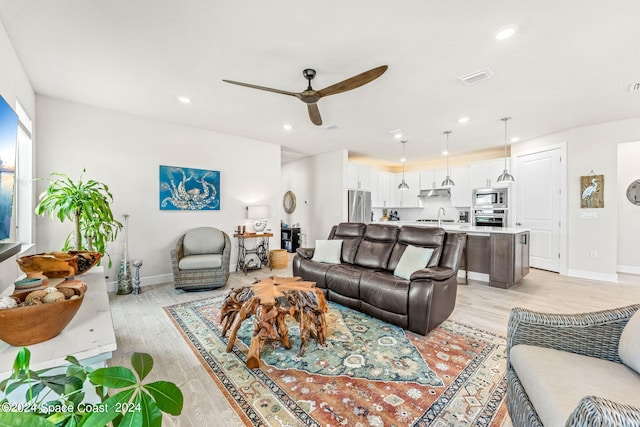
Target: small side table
[{"x": 260, "y": 249}]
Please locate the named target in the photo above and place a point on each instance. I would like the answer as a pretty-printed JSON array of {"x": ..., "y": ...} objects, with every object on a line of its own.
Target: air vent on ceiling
[
  {"x": 476, "y": 77},
  {"x": 635, "y": 87},
  {"x": 331, "y": 126}
]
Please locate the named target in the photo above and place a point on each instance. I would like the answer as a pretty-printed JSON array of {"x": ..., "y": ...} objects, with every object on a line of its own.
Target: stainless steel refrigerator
[{"x": 359, "y": 206}]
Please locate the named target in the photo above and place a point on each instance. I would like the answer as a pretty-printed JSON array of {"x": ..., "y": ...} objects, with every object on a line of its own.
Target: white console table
[{"x": 89, "y": 336}]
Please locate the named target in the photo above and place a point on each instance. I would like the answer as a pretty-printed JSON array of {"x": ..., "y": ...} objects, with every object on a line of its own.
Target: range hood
[{"x": 435, "y": 192}]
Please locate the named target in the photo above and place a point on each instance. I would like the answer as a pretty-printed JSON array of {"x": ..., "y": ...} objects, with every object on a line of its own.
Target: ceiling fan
[{"x": 311, "y": 96}]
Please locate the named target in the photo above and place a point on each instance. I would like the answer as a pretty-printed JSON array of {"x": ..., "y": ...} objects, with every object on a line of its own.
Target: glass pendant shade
[
  {"x": 403, "y": 185},
  {"x": 448, "y": 182},
  {"x": 505, "y": 176}
]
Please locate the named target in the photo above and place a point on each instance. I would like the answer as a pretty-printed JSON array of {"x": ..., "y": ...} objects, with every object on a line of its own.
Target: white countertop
[{"x": 457, "y": 226}]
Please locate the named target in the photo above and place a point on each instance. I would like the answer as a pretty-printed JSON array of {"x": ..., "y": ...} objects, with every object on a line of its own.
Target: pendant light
[
  {"x": 505, "y": 176},
  {"x": 448, "y": 182},
  {"x": 403, "y": 185}
]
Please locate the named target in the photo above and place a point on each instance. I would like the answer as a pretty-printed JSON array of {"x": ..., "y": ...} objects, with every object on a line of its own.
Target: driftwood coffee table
[{"x": 270, "y": 301}]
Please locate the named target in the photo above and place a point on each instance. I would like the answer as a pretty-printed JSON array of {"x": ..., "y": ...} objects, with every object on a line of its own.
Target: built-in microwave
[{"x": 490, "y": 198}]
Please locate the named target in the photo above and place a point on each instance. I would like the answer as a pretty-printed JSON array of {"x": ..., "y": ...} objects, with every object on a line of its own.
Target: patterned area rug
[{"x": 368, "y": 373}]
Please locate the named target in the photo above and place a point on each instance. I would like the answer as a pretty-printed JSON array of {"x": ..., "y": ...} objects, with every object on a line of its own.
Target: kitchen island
[{"x": 498, "y": 255}]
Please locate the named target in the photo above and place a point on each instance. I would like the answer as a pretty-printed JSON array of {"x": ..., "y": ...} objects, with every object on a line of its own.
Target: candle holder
[{"x": 137, "y": 263}]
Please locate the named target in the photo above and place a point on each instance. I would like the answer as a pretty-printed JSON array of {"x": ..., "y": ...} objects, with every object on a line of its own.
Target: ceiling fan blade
[
  {"x": 314, "y": 114},
  {"x": 353, "y": 82},
  {"x": 268, "y": 89}
]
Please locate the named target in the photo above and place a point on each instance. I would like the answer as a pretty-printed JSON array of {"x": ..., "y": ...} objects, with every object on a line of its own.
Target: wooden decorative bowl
[
  {"x": 59, "y": 264},
  {"x": 22, "y": 326}
]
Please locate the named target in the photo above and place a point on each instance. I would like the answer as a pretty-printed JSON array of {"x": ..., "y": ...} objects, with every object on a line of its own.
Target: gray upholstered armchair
[
  {"x": 574, "y": 369},
  {"x": 201, "y": 259}
]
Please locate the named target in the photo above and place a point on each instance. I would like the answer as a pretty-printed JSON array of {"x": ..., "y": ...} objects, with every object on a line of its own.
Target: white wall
[
  {"x": 592, "y": 148},
  {"x": 318, "y": 183},
  {"x": 14, "y": 84},
  {"x": 628, "y": 213},
  {"x": 125, "y": 152}
]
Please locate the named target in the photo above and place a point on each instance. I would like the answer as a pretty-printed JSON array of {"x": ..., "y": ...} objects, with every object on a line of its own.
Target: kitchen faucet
[{"x": 443, "y": 214}]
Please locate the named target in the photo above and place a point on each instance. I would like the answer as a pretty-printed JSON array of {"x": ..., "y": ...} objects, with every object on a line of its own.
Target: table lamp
[{"x": 259, "y": 213}]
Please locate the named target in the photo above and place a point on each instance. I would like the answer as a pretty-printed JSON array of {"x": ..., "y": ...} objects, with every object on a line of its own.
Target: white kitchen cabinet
[
  {"x": 375, "y": 190},
  {"x": 432, "y": 178},
  {"x": 486, "y": 173},
  {"x": 461, "y": 192},
  {"x": 408, "y": 198},
  {"x": 385, "y": 196},
  {"x": 358, "y": 176}
]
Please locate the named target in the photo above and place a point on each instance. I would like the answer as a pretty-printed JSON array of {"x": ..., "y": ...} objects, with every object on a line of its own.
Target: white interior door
[{"x": 538, "y": 191}]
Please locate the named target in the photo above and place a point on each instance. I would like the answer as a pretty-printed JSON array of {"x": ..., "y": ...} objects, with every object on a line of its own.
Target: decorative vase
[{"x": 124, "y": 271}]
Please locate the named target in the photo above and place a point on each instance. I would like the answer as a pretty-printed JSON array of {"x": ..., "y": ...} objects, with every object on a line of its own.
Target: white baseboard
[
  {"x": 481, "y": 277},
  {"x": 631, "y": 269},
  {"x": 144, "y": 281},
  {"x": 604, "y": 277}
]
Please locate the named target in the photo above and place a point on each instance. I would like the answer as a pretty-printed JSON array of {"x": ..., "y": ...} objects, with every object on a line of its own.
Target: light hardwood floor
[{"x": 142, "y": 325}]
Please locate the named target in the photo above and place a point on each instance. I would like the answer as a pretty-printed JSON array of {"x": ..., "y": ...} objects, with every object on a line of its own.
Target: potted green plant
[
  {"x": 88, "y": 205},
  {"x": 59, "y": 399}
]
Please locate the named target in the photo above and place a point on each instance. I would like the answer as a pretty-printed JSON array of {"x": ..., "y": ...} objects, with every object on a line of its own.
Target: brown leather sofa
[{"x": 364, "y": 279}]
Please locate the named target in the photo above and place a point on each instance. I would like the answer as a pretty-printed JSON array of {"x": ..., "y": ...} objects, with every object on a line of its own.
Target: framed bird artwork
[{"x": 592, "y": 191}]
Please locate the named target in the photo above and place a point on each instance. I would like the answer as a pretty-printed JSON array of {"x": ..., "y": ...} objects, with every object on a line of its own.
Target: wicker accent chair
[
  {"x": 200, "y": 260},
  {"x": 571, "y": 369}
]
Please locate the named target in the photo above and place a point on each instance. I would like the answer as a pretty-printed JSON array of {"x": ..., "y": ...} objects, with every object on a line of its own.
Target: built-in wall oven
[
  {"x": 490, "y": 217},
  {"x": 490, "y": 207}
]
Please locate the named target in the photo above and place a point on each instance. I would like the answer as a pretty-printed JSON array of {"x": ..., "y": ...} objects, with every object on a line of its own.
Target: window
[{"x": 24, "y": 220}]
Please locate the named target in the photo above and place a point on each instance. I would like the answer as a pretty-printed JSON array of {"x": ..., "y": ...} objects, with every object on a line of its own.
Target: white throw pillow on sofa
[
  {"x": 413, "y": 258},
  {"x": 327, "y": 251},
  {"x": 629, "y": 346}
]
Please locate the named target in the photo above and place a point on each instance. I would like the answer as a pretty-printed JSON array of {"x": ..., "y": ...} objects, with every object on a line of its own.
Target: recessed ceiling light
[
  {"x": 287, "y": 126},
  {"x": 184, "y": 99},
  {"x": 463, "y": 119},
  {"x": 515, "y": 139},
  {"x": 506, "y": 32},
  {"x": 445, "y": 152},
  {"x": 398, "y": 133}
]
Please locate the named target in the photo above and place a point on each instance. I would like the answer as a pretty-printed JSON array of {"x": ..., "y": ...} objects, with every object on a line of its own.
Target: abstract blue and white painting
[
  {"x": 189, "y": 189},
  {"x": 8, "y": 138}
]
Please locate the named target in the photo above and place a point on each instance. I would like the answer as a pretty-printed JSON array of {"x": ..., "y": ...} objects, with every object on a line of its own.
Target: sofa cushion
[
  {"x": 383, "y": 290},
  {"x": 344, "y": 279},
  {"x": 413, "y": 258},
  {"x": 376, "y": 246},
  {"x": 327, "y": 251},
  {"x": 351, "y": 234},
  {"x": 203, "y": 240},
  {"x": 424, "y": 237},
  {"x": 197, "y": 262},
  {"x": 629, "y": 346},
  {"x": 555, "y": 381},
  {"x": 312, "y": 271}
]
